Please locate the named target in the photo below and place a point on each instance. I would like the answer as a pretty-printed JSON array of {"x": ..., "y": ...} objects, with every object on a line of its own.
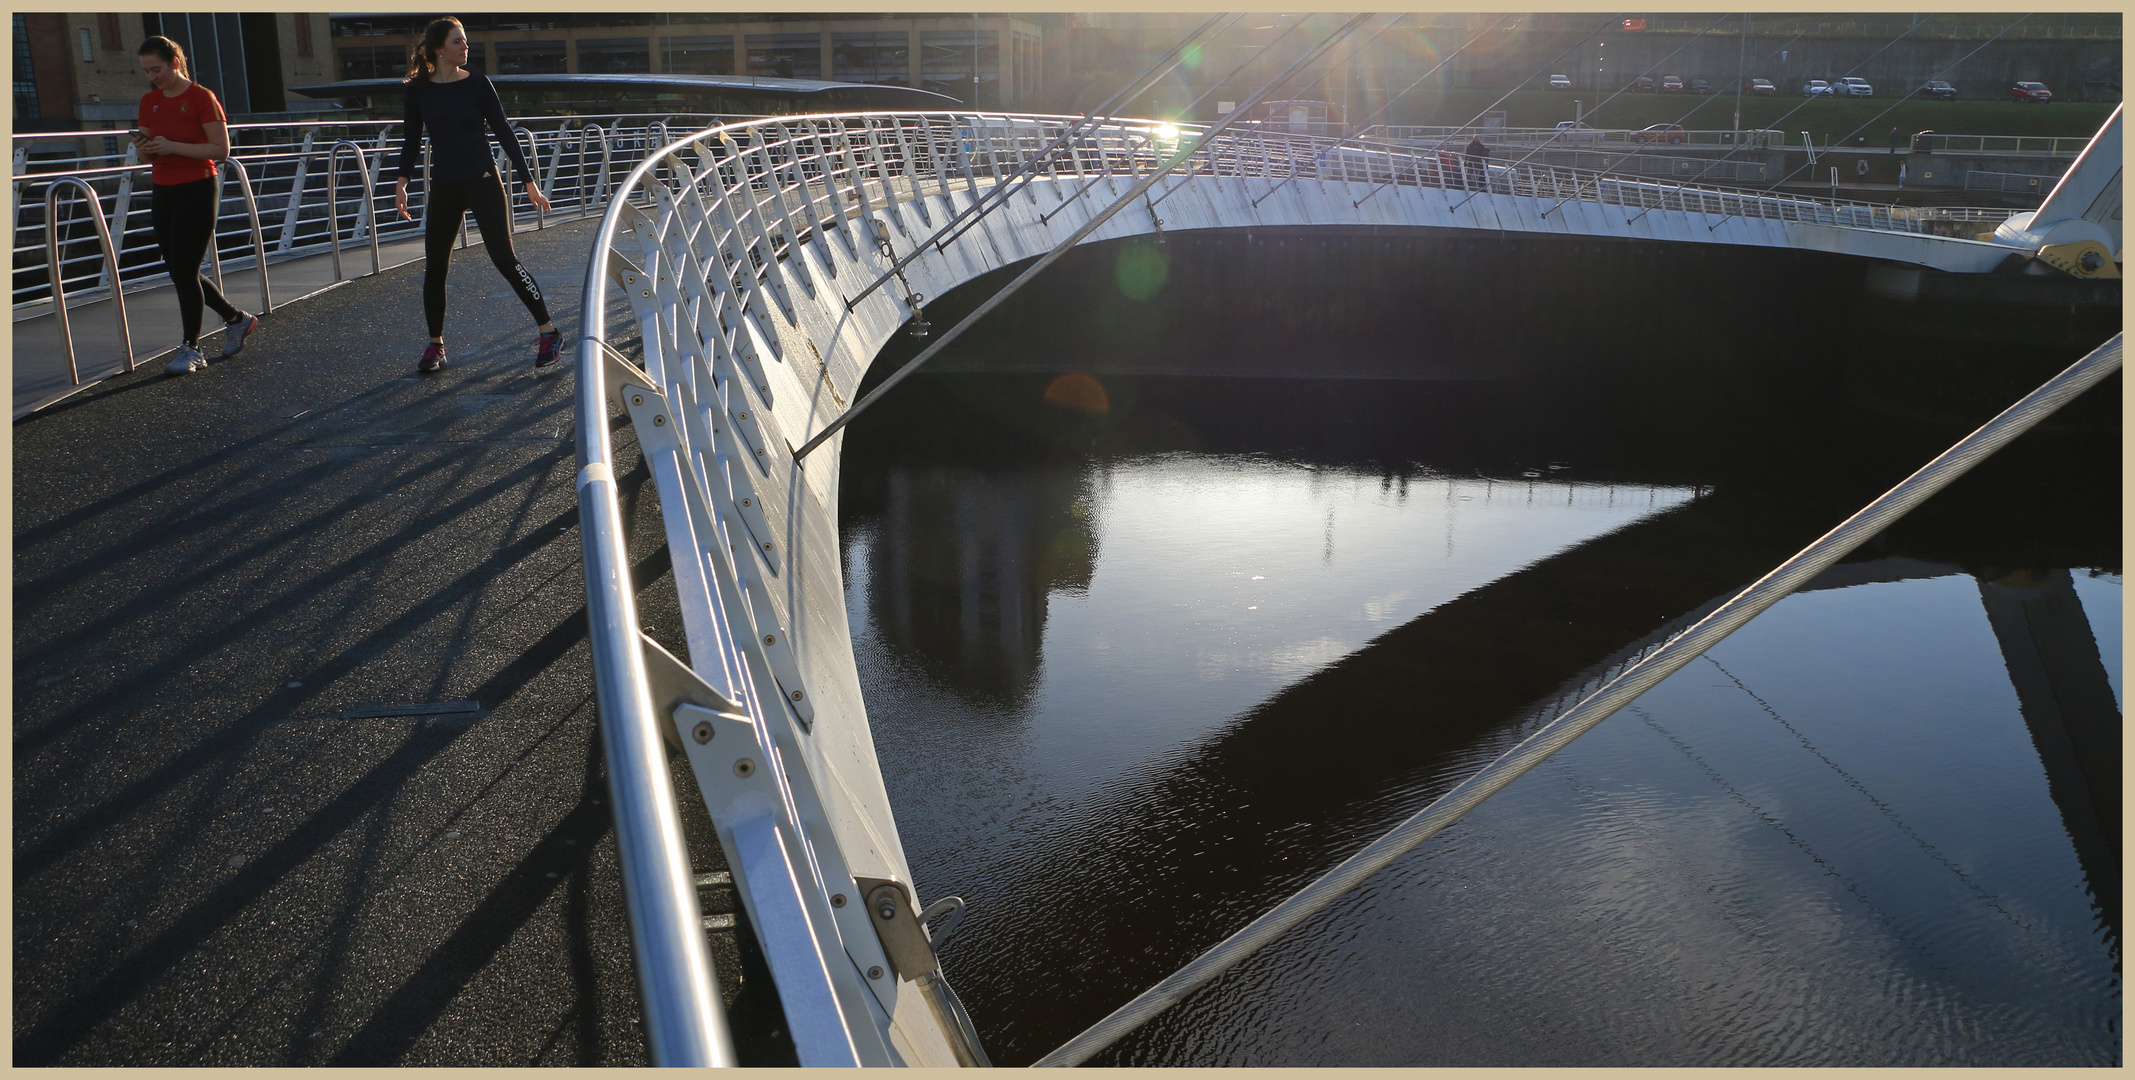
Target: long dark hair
[
  {"x": 422, "y": 58},
  {"x": 166, "y": 50}
]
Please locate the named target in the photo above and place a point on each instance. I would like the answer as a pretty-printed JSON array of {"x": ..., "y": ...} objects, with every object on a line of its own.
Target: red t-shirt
[{"x": 181, "y": 119}]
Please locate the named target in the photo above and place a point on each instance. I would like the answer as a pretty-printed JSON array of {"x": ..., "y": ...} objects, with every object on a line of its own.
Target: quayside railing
[{"x": 701, "y": 243}]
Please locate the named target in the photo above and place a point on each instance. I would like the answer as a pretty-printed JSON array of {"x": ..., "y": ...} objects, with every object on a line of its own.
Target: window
[
  {"x": 303, "y": 33},
  {"x": 786, "y": 56},
  {"x": 107, "y": 27},
  {"x": 614, "y": 55},
  {"x": 953, "y": 62},
  {"x": 25, "y": 78},
  {"x": 88, "y": 44},
  {"x": 698, "y": 54},
  {"x": 531, "y": 58},
  {"x": 872, "y": 57}
]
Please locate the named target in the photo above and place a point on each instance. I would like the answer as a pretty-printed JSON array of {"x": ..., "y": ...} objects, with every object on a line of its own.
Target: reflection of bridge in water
[{"x": 341, "y": 541}]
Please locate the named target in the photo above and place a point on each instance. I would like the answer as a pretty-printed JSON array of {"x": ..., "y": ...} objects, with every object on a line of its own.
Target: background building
[
  {"x": 80, "y": 71},
  {"x": 985, "y": 61}
]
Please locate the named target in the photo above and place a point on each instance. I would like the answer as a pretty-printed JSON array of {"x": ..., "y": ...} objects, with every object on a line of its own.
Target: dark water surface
[{"x": 1146, "y": 658}]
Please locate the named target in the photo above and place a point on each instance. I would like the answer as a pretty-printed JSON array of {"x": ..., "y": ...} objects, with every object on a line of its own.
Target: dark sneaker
[
  {"x": 185, "y": 360},
  {"x": 433, "y": 358},
  {"x": 547, "y": 349},
  {"x": 234, "y": 333}
]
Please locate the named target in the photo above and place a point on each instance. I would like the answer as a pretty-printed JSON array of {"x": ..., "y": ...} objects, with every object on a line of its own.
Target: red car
[
  {"x": 2031, "y": 91},
  {"x": 1671, "y": 133}
]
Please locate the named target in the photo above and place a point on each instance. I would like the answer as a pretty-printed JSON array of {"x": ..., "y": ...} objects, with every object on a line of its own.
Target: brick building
[{"x": 77, "y": 72}]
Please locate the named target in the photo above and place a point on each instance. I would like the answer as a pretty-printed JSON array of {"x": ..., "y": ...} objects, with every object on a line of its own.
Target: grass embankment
[{"x": 1834, "y": 118}]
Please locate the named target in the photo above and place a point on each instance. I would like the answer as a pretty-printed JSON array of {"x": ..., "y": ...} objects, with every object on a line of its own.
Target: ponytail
[{"x": 422, "y": 56}]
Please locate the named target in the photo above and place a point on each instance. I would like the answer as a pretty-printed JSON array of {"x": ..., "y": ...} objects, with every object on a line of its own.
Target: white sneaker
[
  {"x": 233, "y": 333},
  {"x": 185, "y": 360}
]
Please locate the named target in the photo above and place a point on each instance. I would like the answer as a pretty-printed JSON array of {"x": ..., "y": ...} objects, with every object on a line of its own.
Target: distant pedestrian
[
  {"x": 183, "y": 131},
  {"x": 1901, "y": 176},
  {"x": 1896, "y": 140},
  {"x": 455, "y": 103},
  {"x": 1477, "y": 154}
]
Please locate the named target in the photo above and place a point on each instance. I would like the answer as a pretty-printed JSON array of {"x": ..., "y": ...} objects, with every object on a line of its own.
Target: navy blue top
[{"x": 455, "y": 112}]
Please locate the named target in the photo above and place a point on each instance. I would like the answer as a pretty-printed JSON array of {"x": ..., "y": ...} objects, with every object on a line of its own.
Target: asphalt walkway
[{"x": 306, "y": 769}]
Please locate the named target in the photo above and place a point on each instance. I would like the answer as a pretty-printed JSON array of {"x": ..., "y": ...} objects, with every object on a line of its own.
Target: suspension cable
[
  {"x": 1028, "y": 174},
  {"x": 1091, "y": 183},
  {"x": 1163, "y": 166},
  {"x": 1096, "y": 116},
  {"x": 1620, "y": 691},
  {"x": 1354, "y": 54},
  {"x": 1649, "y": 71},
  {"x": 1635, "y": 150},
  {"x": 1951, "y": 66}
]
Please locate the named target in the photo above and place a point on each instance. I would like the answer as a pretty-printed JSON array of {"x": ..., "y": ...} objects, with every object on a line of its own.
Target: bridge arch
[{"x": 758, "y": 266}]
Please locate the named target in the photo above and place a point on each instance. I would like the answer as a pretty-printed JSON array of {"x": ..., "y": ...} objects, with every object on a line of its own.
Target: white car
[
  {"x": 1816, "y": 88},
  {"x": 1574, "y": 131},
  {"x": 1852, "y": 86},
  {"x": 1560, "y": 82}
]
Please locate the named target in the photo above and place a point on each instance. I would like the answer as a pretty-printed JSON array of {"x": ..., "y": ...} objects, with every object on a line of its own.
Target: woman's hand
[
  {"x": 540, "y": 201},
  {"x": 400, "y": 199},
  {"x": 160, "y": 146}
]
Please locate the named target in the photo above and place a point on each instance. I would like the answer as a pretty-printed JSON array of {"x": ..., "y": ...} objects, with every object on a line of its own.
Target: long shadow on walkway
[{"x": 213, "y": 867}]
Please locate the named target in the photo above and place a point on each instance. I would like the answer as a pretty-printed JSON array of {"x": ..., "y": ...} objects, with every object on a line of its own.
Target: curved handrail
[
  {"x": 259, "y": 238},
  {"x": 333, "y": 206},
  {"x": 685, "y": 1022},
  {"x": 533, "y": 174},
  {"x": 111, "y": 264}
]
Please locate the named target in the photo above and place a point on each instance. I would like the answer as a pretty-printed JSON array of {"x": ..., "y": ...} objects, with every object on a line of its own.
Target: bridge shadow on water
[{"x": 1770, "y": 397}]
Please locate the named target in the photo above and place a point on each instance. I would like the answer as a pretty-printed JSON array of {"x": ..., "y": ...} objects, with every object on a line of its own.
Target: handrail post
[
  {"x": 123, "y": 205},
  {"x": 57, "y": 270},
  {"x": 290, "y": 220},
  {"x": 259, "y": 239},
  {"x": 533, "y": 175},
  {"x": 333, "y": 206}
]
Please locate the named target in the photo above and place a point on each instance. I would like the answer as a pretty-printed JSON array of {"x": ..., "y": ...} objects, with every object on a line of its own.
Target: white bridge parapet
[{"x": 740, "y": 251}]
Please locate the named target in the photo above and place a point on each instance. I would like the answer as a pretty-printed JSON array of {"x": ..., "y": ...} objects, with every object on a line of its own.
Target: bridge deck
[{"x": 211, "y": 866}]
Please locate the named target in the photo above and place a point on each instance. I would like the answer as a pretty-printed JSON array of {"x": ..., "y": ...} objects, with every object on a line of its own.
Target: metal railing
[
  {"x": 282, "y": 163},
  {"x": 707, "y": 243}
]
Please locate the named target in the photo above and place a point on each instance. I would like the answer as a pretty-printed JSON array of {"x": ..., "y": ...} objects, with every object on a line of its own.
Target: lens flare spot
[
  {"x": 1141, "y": 271},
  {"x": 1191, "y": 57},
  {"x": 1079, "y": 391}
]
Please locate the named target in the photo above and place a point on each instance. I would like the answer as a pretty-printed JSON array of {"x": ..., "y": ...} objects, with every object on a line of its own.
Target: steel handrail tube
[
  {"x": 685, "y": 1023},
  {"x": 59, "y": 287},
  {"x": 333, "y": 205},
  {"x": 259, "y": 238}
]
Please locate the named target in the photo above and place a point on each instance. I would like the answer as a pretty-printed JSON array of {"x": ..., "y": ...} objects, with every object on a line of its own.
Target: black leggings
[
  {"x": 184, "y": 219},
  {"x": 449, "y": 200}
]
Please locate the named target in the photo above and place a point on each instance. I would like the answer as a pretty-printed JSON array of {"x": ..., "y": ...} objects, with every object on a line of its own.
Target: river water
[{"x": 1145, "y": 655}]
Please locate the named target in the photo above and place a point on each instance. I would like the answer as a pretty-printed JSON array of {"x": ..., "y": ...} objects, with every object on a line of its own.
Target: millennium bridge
[{"x": 233, "y": 590}]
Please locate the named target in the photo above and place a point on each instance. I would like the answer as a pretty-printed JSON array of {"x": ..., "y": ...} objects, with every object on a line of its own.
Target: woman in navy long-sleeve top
[{"x": 454, "y": 104}]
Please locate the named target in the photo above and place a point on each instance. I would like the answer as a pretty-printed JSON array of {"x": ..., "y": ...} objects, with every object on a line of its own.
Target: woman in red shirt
[{"x": 183, "y": 131}]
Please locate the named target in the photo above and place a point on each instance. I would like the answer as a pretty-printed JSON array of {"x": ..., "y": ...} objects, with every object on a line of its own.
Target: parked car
[
  {"x": 1643, "y": 83},
  {"x": 1671, "y": 84},
  {"x": 1938, "y": 90},
  {"x": 1816, "y": 88},
  {"x": 1672, "y": 133},
  {"x": 1560, "y": 82},
  {"x": 1852, "y": 86},
  {"x": 1576, "y": 132},
  {"x": 1700, "y": 86},
  {"x": 1762, "y": 88},
  {"x": 2031, "y": 91}
]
